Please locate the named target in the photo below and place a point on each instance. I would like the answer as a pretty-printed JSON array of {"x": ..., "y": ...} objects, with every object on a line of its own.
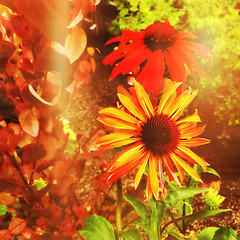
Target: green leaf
[
  {"x": 212, "y": 171},
  {"x": 206, "y": 213},
  {"x": 132, "y": 234},
  {"x": 97, "y": 228},
  {"x": 158, "y": 212},
  {"x": 207, "y": 233},
  {"x": 174, "y": 196},
  {"x": 3, "y": 210},
  {"x": 174, "y": 233},
  {"x": 139, "y": 207},
  {"x": 225, "y": 233}
]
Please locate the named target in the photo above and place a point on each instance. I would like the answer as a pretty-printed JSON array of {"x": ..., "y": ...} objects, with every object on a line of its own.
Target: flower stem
[{"x": 119, "y": 209}]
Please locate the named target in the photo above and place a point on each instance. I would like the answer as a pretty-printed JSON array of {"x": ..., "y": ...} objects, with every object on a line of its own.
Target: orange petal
[
  {"x": 160, "y": 169},
  {"x": 194, "y": 156},
  {"x": 193, "y": 142},
  {"x": 186, "y": 167},
  {"x": 148, "y": 188},
  {"x": 116, "y": 113},
  {"x": 153, "y": 176},
  {"x": 167, "y": 92},
  {"x": 132, "y": 153},
  {"x": 124, "y": 169},
  {"x": 179, "y": 100},
  {"x": 184, "y": 105},
  {"x": 192, "y": 118},
  {"x": 191, "y": 132},
  {"x": 141, "y": 170},
  {"x": 173, "y": 176},
  {"x": 169, "y": 103},
  {"x": 116, "y": 123},
  {"x": 113, "y": 137},
  {"x": 143, "y": 99},
  {"x": 130, "y": 104},
  {"x": 119, "y": 143}
]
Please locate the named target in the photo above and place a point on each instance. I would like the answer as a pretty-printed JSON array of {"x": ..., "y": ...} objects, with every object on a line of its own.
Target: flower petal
[
  {"x": 167, "y": 93},
  {"x": 141, "y": 170},
  {"x": 130, "y": 154},
  {"x": 185, "y": 103},
  {"x": 179, "y": 101},
  {"x": 116, "y": 140},
  {"x": 193, "y": 156},
  {"x": 175, "y": 65},
  {"x": 191, "y": 132},
  {"x": 170, "y": 171},
  {"x": 151, "y": 76},
  {"x": 148, "y": 188},
  {"x": 118, "y": 114},
  {"x": 186, "y": 167},
  {"x": 143, "y": 99},
  {"x": 194, "y": 142},
  {"x": 153, "y": 176},
  {"x": 192, "y": 118},
  {"x": 129, "y": 103},
  {"x": 160, "y": 168},
  {"x": 117, "y": 123}
]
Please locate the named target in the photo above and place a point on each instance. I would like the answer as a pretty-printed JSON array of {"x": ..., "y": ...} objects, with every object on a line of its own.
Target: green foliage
[
  {"x": 132, "y": 234},
  {"x": 138, "y": 14},
  {"x": 3, "y": 210},
  {"x": 216, "y": 233},
  {"x": 215, "y": 22},
  {"x": 175, "y": 196},
  {"x": 97, "y": 228}
]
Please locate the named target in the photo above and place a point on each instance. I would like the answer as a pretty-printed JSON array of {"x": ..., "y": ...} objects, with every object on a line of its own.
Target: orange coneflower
[
  {"x": 162, "y": 49},
  {"x": 155, "y": 136}
]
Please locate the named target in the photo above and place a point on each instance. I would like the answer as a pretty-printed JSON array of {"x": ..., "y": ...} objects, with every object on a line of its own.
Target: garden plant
[{"x": 142, "y": 159}]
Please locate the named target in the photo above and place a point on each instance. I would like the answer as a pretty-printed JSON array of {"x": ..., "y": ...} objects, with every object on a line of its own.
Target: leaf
[
  {"x": 5, "y": 234},
  {"x": 97, "y": 228},
  {"x": 174, "y": 233},
  {"x": 17, "y": 225},
  {"x": 47, "y": 16},
  {"x": 207, "y": 233},
  {"x": 132, "y": 234},
  {"x": 75, "y": 44},
  {"x": 29, "y": 122},
  {"x": 32, "y": 152},
  {"x": 3, "y": 210},
  {"x": 206, "y": 213},
  {"x": 158, "y": 212},
  {"x": 7, "y": 185},
  {"x": 139, "y": 207},
  {"x": 225, "y": 233},
  {"x": 174, "y": 196},
  {"x": 212, "y": 171},
  {"x": 36, "y": 95},
  {"x": 6, "y": 198}
]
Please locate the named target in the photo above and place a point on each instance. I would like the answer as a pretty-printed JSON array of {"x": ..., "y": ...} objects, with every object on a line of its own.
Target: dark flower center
[
  {"x": 159, "y": 36},
  {"x": 160, "y": 135}
]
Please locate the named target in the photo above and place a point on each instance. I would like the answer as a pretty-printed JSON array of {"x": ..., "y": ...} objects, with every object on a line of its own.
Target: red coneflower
[
  {"x": 154, "y": 136},
  {"x": 161, "y": 49}
]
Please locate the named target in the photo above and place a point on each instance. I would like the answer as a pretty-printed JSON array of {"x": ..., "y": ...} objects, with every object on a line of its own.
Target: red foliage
[{"x": 38, "y": 181}]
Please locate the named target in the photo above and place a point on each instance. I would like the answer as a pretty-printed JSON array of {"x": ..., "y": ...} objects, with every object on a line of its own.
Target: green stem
[
  {"x": 119, "y": 209},
  {"x": 179, "y": 219}
]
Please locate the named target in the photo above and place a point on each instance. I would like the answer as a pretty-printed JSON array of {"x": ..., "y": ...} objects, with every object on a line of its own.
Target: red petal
[
  {"x": 175, "y": 65},
  {"x": 151, "y": 76}
]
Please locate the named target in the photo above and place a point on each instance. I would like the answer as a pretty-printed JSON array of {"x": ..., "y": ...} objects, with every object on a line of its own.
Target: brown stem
[{"x": 15, "y": 164}]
